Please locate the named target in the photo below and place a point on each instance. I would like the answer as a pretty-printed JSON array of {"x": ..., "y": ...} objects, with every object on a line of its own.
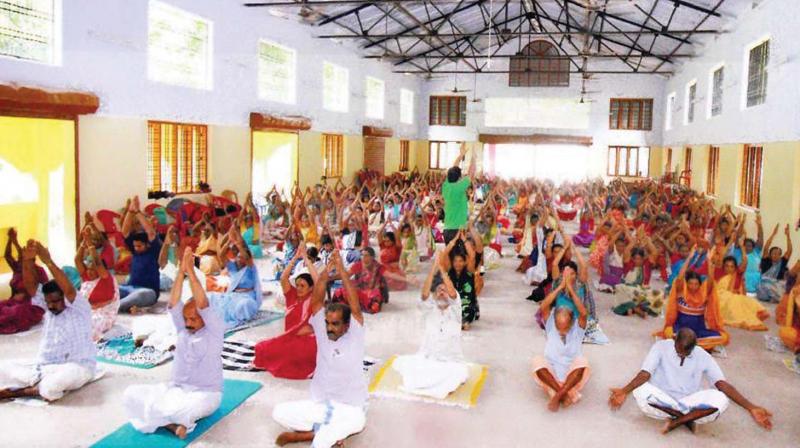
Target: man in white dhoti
[
  {"x": 437, "y": 369},
  {"x": 337, "y": 407},
  {"x": 67, "y": 353},
  {"x": 196, "y": 387},
  {"x": 670, "y": 386}
]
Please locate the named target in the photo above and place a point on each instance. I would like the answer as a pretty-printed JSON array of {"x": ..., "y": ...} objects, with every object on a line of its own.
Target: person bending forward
[
  {"x": 196, "y": 387},
  {"x": 669, "y": 386},
  {"x": 338, "y": 390}
]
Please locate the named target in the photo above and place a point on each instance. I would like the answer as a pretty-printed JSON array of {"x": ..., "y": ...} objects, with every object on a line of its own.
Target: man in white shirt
[
  {"x": 670, "y": 386},
  {"x": 339, "y": 389},
  {"x": 67, "y": 353}
]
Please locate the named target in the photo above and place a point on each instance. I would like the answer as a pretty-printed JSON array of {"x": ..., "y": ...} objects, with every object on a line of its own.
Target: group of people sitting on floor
[{"x": 320, "y": 242}]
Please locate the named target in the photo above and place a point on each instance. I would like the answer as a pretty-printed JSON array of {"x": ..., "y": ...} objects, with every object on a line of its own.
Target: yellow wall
[
  {"x": 780, "y": 183},
  {"x": 274, "y": 160},
  {"x": 35, "y": 149}
]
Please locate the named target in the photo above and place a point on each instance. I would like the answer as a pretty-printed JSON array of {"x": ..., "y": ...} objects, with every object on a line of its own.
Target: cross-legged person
[
  {"x": 670, "y": 386},
  {"x": 563, "y": 371},
  {"x": 66, "y": 358},
  {"x": 196, "y": 387},
  {"x": 144, "y": 280},
  {"x": 338, "y": 389}
]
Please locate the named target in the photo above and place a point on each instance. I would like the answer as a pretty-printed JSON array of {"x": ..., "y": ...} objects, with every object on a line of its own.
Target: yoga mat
[
  {"x": 122, "y": 351},
  {"x": 234, "y": 393},
  {"x": 387, "y": 383}
]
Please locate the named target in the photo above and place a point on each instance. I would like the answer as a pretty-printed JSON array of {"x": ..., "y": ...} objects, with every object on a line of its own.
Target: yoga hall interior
[{"x": 107, "y": 106}]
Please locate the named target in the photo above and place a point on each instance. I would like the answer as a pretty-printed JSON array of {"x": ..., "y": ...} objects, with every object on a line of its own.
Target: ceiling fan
[
  {"x": 475, "y": 98},
  {"x": 610, "y": 5},
  {"x": 455, "y": 89}
]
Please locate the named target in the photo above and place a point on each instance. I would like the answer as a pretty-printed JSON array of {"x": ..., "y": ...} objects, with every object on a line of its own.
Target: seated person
[
  {"x": 563, "y": 371},
  {"x": 242, "y": 299},
  {"x": 437, "y": 369},
  {"x": 788, "y": 316},
  {"x": 293, "y": 354},
  {"x": 337, "y": 407},
  {"x": 773, "y": 269},
  {"x": 369, "y": 279},
  {"x": 18, "y": 313},
  {"x": 670, "y": 386},
  {"x": 249, "y": 224},
  {"x": 196, "y": 387},
  {"x": 460, "y": 266},
  {"x": 208, "y": 249},
  {"x": 390, "y": 251},
  {"x": 169, "y": 258},
  {"x": 738, "y": 310},
  {"x": 143, "y": 284},
  {"x": 66, "y": 358},
  {"x": 99, "y": 287},
  {"x": 694, "y": 304}
]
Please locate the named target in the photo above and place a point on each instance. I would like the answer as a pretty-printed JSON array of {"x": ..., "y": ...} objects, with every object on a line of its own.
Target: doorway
[
  {"x": 38, "y": 196},
  {"x": 274, "y": 163},
  {"x": 556, "y": 162},
  {"x": 375, "y": 154}
]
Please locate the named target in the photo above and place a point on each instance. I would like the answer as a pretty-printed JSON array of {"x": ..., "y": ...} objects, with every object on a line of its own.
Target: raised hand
[
  {"x": 187, "y": 262},
  {"x": 136, "y": 204},
  {"x": 786, "y": 230},
  {"x": 42, "y": 252},
  {"x": 29, "y": 251},
  {"x": 12, "y": 234}
]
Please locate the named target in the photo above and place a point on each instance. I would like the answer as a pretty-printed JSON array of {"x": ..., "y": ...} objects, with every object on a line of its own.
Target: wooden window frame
[
  {"x": 333, "y": 151},
  {"x": 404, "y": 153},
  {"x": 687, "y": 159},
  {"x": 631, "y": 124},
  {"x": 446, "y": 104},
  {"x": 181, "y": 185},
  {"x": 618, "y": 150},
  {"x": 713, "y": 170},
  {"x": 751, "y": 176},
  {"x": 438, "y": 144}
]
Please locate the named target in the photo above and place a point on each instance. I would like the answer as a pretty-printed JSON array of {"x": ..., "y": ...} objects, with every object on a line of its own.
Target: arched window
[{"x": 538, "y": 65}]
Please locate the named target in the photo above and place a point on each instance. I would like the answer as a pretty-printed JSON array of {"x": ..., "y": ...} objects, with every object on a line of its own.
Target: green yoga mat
[{"x": 235, "y": 392}]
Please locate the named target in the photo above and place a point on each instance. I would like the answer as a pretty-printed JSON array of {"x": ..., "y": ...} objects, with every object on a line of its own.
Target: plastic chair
[{"x": 108, "y": 219}]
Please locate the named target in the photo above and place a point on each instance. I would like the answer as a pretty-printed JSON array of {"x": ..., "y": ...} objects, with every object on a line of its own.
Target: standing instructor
[{"x": 454, "y": 193}]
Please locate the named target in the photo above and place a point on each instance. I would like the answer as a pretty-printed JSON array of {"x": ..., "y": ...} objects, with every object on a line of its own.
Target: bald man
[
  {"x": 670, "y": 386},
  {"x": 563, "y": 371},
  {"x": 196, "y": 387}
]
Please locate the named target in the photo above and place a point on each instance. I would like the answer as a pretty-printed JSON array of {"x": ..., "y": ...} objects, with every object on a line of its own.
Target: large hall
[{"x": 423, "y": 223}]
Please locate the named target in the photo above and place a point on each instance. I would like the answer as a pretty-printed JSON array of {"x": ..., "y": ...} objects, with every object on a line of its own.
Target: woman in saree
[
  {"x": 390, "y": 252},
  {"x": 409, "y": 256},
  {"x": 208, "y": 249},
  {"x": 788, "y": 316},
  {"x": 293, "y": 354},
  {"x": 585, "y": 234},
  {"x": 99, "y": 287},
  {"x": 599, "y": 246},
  {"x": 249, "y": 225},
  {"x": 773, "y": 269},
  {"x": 693, "y": 303},
  {"x": 460, "y": 266},
  {"x": 738, "y": 310},
  {"x": 18, "y": 313},
  {"x": 242, "y": 298}
]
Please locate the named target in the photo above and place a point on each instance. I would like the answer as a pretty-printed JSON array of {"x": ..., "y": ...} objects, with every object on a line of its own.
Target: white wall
[
  {"x": 776, "y": 120},
  {"x": 105, "y": 51},
  {"x": 603, "y": 88}
]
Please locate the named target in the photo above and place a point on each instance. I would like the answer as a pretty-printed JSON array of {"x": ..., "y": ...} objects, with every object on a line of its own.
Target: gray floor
[{"x": 511, "y": 410}]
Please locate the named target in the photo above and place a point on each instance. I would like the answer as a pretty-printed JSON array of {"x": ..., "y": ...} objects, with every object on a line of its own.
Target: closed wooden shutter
[{"x": 374, "y": 153}]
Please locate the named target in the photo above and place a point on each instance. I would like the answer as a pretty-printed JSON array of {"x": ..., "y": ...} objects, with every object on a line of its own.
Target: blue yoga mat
[{"x": 235, "y": 392}]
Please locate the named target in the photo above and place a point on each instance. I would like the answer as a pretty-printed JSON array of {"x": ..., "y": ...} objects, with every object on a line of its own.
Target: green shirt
[{"x": 455, "y": 204}]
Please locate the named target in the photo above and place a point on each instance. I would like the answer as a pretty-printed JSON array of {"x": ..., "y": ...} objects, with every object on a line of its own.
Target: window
[
  {"x": 713, "y": 170},
  {"x": 715, "y": 104},
  {"x": 375, "y": 93},
  {"x": 276, "y": 72},
  {"x": 631, "y": 114},
  {"x": 691, "y": 95},
  {"x": 335, "y": 87},
  {"x": 538, "y": 65},
  {"x": 669, "y": 160},
  {"x": 629, "y": 161},
  {"x": 178, "y": 47},
  {"x": 750, "y": 193},
  {"x": 176, "y": 156},
  {"x": 443, "y": 154},
  {"x": 332, "y": 155},
  {"x": 403, "y": 155},
  {"x": 670, "y": 110},
  {"x": 757, "y": 74},
  {"x": 448, "y": 111},
  {"x": 406, "y": 106},
  {"x": 30, "y": 30},
  {"x": 687, "y": 159}
]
